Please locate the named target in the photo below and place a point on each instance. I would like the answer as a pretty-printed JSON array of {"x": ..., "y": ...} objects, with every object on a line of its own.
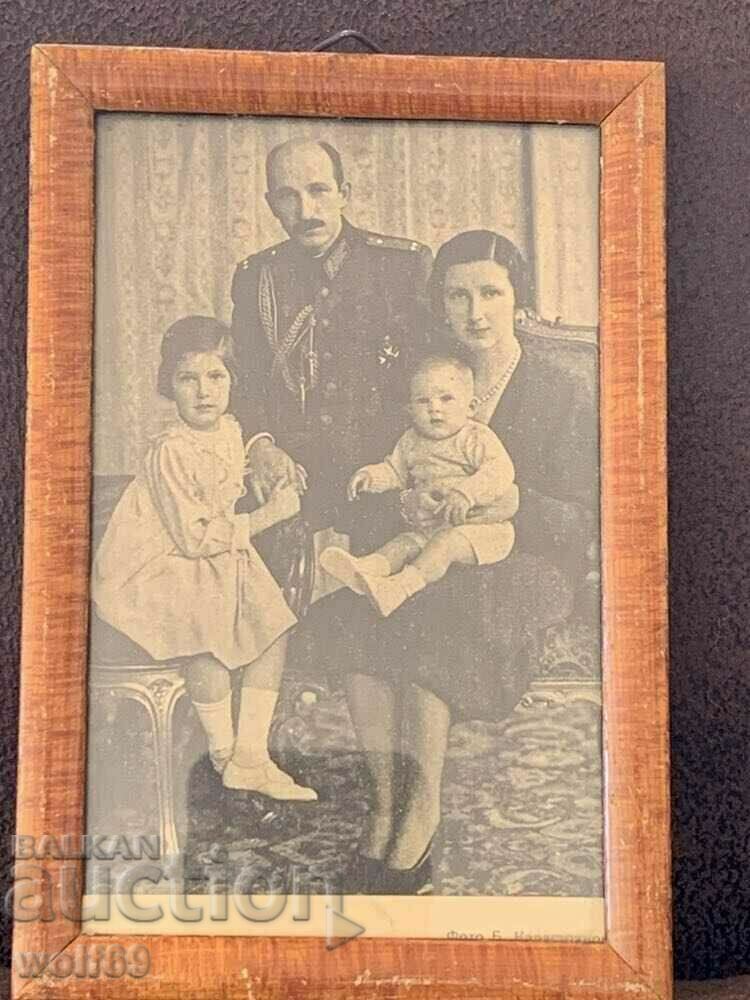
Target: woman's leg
[
  {"x": 372, "y": 706},
  {"x": 210, "y": 690},
  {"x": 424, "y": 741}
]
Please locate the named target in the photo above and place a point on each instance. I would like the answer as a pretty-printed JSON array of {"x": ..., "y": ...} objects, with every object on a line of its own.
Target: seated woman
[{"x": 461, "y": 648}]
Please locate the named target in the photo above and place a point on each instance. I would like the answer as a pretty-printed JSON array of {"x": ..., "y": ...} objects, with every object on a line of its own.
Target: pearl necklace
[{"x": 501, "y": 383}]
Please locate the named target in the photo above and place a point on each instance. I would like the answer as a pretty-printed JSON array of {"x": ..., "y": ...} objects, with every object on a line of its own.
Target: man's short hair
[{"x": 333, "y": 155}]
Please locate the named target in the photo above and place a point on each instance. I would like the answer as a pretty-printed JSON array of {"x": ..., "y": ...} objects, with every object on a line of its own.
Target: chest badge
[{"x": 388, "y": 353}]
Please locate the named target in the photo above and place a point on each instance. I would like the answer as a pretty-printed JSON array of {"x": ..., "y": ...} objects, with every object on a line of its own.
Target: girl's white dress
[{"x": 167, "y": 572}]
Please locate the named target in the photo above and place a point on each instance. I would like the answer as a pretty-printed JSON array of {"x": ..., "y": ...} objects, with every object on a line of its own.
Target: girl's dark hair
[
  {"x": 194, "y": 335},
  {"x": 480, "y": 244}
]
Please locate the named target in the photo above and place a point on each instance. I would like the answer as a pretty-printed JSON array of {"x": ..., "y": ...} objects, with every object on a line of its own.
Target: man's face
[{"x": 305, "y": 197}]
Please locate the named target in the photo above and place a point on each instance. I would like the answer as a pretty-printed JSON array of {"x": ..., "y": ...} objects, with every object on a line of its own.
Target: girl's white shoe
[{"x": 267, "y": 779}]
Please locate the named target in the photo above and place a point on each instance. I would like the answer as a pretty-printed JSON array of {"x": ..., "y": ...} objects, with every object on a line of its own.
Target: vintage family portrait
[{"x": 345, "y": 579}]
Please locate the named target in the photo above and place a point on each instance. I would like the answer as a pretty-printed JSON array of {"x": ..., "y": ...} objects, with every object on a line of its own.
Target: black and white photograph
[{"x": 345, "y": 581}]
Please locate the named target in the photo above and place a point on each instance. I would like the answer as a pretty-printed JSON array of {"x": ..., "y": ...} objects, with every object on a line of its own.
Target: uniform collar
[
  {"x": 334, "y": 258},
  {"x": 333, "y": 261}
]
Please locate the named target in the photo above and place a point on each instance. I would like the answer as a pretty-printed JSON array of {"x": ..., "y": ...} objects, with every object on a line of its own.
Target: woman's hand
[
  {"x": 270, "y": 468},
  {"x": 456, "y": 507}
]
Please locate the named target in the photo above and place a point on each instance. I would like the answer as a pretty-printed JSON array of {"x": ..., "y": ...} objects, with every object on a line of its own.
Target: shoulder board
[
  {"x": 263, "y": 255},
  {"x": 392, "y": 242},
  {"x": 528, "y": 323}
]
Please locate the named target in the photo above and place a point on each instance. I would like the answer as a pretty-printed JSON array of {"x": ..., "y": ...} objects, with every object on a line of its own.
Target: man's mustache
[{"x": 307, "y": 226}]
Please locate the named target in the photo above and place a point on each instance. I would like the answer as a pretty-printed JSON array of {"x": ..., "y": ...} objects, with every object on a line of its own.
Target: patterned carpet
[{"x": 522, "y": 799}]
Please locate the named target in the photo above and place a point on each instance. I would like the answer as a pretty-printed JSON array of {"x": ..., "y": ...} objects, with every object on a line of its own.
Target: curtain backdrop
[{"x": 180, "y": 202}]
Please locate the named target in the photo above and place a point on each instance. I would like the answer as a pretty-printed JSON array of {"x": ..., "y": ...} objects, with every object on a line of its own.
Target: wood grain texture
[
  {"x": 634, "y": 530},
  {"x": 69, "y": 85},
  {"x": 333, "y": 84},
  {"x": 52, "y": 727}
]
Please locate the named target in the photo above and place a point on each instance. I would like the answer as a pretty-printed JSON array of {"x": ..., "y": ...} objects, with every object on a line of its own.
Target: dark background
[{"x": 705, "y": 46}]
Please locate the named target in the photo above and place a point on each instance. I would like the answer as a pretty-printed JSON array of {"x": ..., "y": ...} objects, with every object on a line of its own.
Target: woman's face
[{"x": 479, "y": 304}]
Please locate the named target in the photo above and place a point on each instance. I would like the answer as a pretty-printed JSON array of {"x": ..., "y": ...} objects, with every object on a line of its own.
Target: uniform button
[
  {"x": 379, "y": 241},
  {"x": 325, "y": 291},
  {"x": 325, "y": 323},
  {"x": 331, "y": 388},
  {"x": 327, "y": 356},
  {"x": 326, "y": 419}
]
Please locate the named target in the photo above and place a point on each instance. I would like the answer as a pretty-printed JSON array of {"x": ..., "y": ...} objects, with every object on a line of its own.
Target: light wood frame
[{"x": 626, "y": 100}]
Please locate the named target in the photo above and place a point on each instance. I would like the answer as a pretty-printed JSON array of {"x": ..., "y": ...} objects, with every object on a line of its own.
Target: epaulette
[
  {"x": 269, "y": 253},
  {"x": 392, "y": 242}
]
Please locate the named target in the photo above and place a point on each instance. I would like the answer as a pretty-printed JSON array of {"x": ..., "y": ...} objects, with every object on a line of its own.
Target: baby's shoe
[
  {"x": 267, "y": 779},
  {"x": 387, "y": 594},
  {"x": 347, "y": 568}
]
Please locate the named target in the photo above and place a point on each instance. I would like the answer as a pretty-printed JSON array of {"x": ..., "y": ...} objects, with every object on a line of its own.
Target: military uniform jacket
[{"x": 323, "y": 344}]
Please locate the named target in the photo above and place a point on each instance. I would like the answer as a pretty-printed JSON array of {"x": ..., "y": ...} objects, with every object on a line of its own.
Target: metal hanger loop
[{"x": 341, "y": 36}]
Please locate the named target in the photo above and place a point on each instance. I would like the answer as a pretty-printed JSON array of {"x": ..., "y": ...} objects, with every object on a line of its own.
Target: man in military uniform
[{"x": 324, "y": 324}]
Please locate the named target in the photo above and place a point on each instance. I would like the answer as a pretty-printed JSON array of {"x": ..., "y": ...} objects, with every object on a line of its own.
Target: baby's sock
[
  {"x": 411, "y": 580},
  {"x": 386, "y": 594},
  {"x": 216, "y": 719},
  {"x": 257, "y": 706}
]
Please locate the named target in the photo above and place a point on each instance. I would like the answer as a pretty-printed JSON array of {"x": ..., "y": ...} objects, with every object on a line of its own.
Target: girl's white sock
[
  {"x": 216, "y": 719},
  {"x": 256, "y": 713}
]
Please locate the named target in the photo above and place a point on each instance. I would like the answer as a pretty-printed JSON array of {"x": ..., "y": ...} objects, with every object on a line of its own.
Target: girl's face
[
  {"x": 479, "y": 304},
  {"x": 201, "y": 385}
]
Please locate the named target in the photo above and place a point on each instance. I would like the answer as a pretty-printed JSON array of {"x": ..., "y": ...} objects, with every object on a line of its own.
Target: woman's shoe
[
  {"x": 414, "y": 881},
  {"x": 266, "y": 779}
]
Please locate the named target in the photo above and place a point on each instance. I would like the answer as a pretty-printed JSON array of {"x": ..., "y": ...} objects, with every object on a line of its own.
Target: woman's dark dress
[{"x": 467, "y": 637}]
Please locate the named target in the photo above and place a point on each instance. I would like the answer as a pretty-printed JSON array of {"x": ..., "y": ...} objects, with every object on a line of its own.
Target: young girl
[{"x": 176, "y": 570}]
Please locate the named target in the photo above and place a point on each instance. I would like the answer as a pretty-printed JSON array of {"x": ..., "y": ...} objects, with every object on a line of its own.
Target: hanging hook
[{"x": 341, "y": 36}]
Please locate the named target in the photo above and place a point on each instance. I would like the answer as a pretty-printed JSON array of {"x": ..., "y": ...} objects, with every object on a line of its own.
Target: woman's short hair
[
  {"x": 475, "y": 245},
  {"x": 194, "y": 335}
]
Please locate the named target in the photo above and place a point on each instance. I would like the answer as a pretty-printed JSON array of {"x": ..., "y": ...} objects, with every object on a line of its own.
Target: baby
[{"x": 463, "y": 467}]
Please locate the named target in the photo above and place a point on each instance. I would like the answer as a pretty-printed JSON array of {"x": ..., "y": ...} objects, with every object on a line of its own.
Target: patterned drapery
[{"x": 180, "y": 200}]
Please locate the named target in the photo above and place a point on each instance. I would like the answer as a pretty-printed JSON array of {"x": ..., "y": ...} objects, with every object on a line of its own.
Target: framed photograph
[{"x": 345, "y": 586}]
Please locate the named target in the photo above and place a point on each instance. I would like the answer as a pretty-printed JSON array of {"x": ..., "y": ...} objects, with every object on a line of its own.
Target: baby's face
[{"x": 442, "y": 401}]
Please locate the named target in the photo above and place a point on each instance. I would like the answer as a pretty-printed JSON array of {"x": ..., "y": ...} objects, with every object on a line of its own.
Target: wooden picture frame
[{"x": 70, "y": 84}]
